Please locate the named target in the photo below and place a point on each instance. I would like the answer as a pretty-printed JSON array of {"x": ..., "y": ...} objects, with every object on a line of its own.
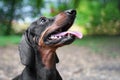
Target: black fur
[{"x": 30, "y": 56}]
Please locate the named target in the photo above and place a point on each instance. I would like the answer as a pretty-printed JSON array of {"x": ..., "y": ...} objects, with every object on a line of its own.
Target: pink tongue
[{"x": 77, "y": 34}]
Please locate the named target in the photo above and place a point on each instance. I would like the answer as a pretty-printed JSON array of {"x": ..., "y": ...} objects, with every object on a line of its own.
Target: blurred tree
[
  {"x": 100, "y": 17},
  {"x": 16, "y": 9},
  {"x": 8, "y": 13},
  {"x": 36, "y": 6}
]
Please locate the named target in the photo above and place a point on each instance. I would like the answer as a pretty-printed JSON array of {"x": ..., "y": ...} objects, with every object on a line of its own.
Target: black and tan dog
[{"x": 39, "y": 43}]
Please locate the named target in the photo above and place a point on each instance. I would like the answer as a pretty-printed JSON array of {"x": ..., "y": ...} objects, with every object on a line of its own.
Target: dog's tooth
[
  {"x": 60, "y": 36},
  {"x": 55, "y": 37},
  {"x": 52, "y": 37}
]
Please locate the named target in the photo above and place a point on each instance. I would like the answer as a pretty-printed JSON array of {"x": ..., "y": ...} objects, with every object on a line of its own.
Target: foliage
[
  {"x": 99, "y": 17},
  {"x": 35, "y": 5},
  {"x": 2, "y": 29},
  {"x": 8, "y": 13},
  {"x": 15, "y": 10}
]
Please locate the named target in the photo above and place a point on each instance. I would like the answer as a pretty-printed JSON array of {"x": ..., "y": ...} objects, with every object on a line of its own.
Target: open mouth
[
  {"x": 57, "y": 34},
  {"x": 62, "y": 36}
]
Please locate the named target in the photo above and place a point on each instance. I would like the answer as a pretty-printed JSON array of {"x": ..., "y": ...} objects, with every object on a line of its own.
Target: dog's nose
[{"x": 71, "y": 12}]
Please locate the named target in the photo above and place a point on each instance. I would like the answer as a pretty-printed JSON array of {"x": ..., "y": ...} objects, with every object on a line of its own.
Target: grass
[
  {"x": 107, "y": 45},
  {"x": 9, "y": 40}
]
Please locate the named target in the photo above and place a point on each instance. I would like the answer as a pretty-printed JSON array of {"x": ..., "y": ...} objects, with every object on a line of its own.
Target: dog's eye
[{"x": 42, "y": 20}]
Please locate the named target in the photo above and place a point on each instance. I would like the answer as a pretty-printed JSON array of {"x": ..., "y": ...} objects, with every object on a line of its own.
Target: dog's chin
[{"x": 58, "y": 42}]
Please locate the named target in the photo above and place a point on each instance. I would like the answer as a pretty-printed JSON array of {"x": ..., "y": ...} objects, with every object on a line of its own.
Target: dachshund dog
[{"x": 39, "y": 43}]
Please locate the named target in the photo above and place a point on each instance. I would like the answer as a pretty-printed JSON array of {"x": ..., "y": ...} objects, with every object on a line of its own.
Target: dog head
[{"x": 47, "y": 32}]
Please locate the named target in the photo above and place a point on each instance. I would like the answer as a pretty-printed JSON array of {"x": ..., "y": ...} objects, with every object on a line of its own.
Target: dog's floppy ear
[{"x": 26, "y": 51}]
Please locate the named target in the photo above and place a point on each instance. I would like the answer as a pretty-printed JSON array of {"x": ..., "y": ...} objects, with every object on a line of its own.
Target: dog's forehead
[
  {"x": 45, "y": 20},
  {"x": 38, "y": 26}
]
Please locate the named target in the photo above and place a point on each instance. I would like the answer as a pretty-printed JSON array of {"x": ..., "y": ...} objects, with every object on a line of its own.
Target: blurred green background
[
  {"x": 98, "y": 20},
  {"x": 94, "y": 17}
]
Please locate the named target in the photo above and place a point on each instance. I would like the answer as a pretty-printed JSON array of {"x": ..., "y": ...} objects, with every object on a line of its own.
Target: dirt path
[{"x": 76, "y": 63}]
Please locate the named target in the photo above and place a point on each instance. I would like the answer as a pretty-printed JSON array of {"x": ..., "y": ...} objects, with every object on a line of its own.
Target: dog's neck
[
  {"x": 45, "y": 65},
  {"x": 48, "y": 57}
]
